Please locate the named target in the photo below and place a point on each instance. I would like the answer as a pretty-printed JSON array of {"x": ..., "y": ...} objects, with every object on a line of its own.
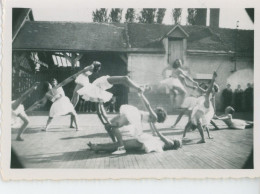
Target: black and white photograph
[{"x": 108, "y": 88}]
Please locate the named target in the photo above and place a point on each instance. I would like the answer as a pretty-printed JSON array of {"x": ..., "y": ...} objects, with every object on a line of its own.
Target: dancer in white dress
[
  {"x": 227, "y": 118},
  {"x": 81, "y": 81},
  {"x": 61, "y": 103},
  {"x": 174, "y": 83},
  {"x": 18, "y": 111},
  {"x": 203, "y": 112},
  {"x": 130, "y": 119}
]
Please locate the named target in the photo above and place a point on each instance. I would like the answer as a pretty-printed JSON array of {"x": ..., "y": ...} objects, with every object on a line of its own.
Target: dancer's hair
[
  {"x": 161, "y": 114},
  {"x": 176, "y": 64},
  {"x": 177, "y": 144},
  {"x": 230, "y": 110}
]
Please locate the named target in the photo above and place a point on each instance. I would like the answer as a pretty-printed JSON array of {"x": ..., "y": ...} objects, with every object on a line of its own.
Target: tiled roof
[
  {"x": 127, "y": 37},
  {"x": 71, "y": 36}
]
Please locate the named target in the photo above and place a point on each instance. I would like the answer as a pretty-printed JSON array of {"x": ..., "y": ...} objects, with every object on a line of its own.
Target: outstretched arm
[
  {"x": 211, "y": 84},
  {"x": 148, "y": 107},
  {"x": 187, "y": 77},
  {"x": 162, "y": 137}
]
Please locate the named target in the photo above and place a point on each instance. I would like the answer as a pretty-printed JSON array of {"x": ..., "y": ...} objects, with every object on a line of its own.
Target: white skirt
[
  {"x": 238, "y": 124},
  {"x": 102, "y": 83},
  {"x": 172, "y": 82},
  {"x": 61, "y": 107},
  {"x": 207, "y": 115},
  {"x": 82, "y": 80},
  {"x": 189, "y": 102},
  {"x": 93, "y": 93},
  {"x": 150, "y": 143}
]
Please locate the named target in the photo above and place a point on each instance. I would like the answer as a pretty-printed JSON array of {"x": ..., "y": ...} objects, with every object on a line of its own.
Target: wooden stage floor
[{"x": 62, "y": 147}]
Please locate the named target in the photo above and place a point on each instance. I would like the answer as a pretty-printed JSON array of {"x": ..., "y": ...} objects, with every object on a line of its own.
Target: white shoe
[{"x": 120, "y": 150}]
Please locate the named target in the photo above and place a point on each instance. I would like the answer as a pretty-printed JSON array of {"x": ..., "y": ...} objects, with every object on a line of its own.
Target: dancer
[
  {"x": 18, "y": 111},
  {"x": 174, "y": 82},
  {"x": 96, "y": 92},
  {"x": 191, "y": 101},
  {"x": 131, "y": 119},
  {"x": 61, "y": 103},
  {"x": 81, "y": 81},
  {"x": 203, "y": 112},
  {"x": 227, "y": 118}
]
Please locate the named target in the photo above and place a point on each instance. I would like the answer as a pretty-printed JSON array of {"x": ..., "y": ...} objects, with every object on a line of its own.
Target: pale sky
[{"x": 228, "y": 18}]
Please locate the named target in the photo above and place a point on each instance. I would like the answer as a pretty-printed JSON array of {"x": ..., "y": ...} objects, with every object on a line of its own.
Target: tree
[
  {"x": 100, "y": 15},
  {"x": 115, "y": 15},
  {"x": 130, "y": 15},
  {"x": 176, "y": 15},
  {"x": 191, "y": 18},
  {"x": 160, "y": 15},
  {"x": 147, "y": 16}
]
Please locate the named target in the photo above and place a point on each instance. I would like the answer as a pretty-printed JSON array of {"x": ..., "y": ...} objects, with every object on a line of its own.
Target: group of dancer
[{"x": 200, "y": 109}]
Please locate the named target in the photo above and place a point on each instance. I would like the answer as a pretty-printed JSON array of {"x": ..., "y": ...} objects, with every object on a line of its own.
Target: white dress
[
  {"x": 134, "y": 117},
  {"x": 60, "y": 106},
  {"x": 82, "y": 79},
  {"x": 208, "y": 113},
  {"x": 96, "y": 92},
  {"x": 173, "y": 81}
]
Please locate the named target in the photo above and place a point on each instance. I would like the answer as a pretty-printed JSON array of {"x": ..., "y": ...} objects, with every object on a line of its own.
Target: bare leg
[
  {"x": 207, "y": 129},
  {"x": 71, "y": 121},
  {"x": 187, "y": 127},
  {"x": 48, "y": 123},
  {"x": 179, "y": 117},
  {"x": 75, "y": 97},
  {"x": 74, "y": 118},
  {"x": 182, "y": 94},
  {"x": 200, "y": 128},
  {"x": 214, "y": 125},
  {"x": 124, "y": 80},
  {"x": 25, "y": 120},
  {"x": 103, "y": 118}
]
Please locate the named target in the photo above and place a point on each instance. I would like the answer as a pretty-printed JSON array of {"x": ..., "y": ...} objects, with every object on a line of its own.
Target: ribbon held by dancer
[
  {"x": 18, "y": 111},
  {"x": 61, "y": 104}
]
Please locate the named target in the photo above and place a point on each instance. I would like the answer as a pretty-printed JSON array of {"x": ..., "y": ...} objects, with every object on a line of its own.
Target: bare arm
[
  {"x": 162, "y": 137},
  {"x": 148, "y": 107},
  {"x": 187, "y": 77}
]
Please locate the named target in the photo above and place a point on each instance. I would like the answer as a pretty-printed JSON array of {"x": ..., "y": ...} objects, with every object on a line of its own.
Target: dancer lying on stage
[
  {"x": 174, "y": 83},
  {"x": 96, "y": 92},
  {"x": 234, "y": 123},
  {"x": 61, "y": 103},
  {"x": 18, "y": 111},
  {"x": 203, "y": 112},
  {"x": 131, "y": 119}
]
